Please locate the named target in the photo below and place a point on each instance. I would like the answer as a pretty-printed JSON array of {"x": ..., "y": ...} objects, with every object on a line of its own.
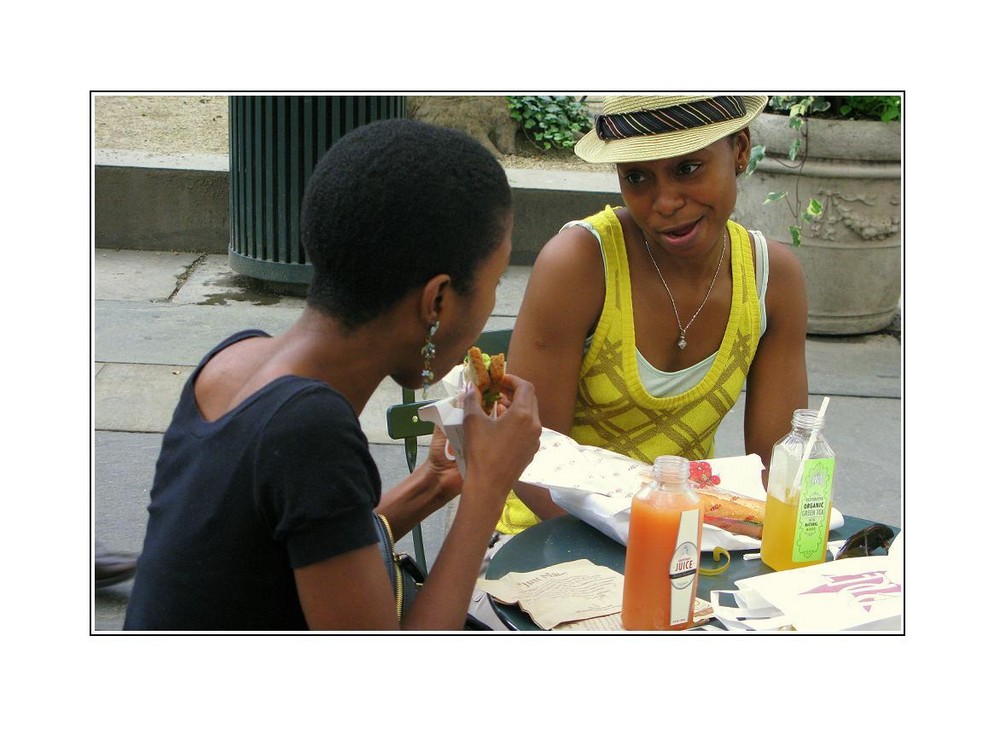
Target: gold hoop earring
[{"x": 428, "y": 351}]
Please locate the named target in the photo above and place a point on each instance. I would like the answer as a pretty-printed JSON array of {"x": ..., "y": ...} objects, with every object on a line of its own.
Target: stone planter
[{"x": 852, "y": 255}]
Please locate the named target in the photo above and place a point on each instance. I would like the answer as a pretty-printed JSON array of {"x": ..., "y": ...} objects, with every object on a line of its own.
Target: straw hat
[{"x": 637, "y": 128}]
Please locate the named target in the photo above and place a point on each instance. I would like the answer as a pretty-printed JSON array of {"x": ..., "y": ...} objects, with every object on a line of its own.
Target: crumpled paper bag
[{"x": 563, "y": 593}]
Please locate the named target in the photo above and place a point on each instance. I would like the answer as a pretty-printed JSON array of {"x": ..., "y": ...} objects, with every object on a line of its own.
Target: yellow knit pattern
[{"x": 613, "y": 409}]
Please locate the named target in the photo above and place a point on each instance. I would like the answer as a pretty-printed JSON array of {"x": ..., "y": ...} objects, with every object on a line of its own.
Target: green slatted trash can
[{"x": 274, "y": 144}]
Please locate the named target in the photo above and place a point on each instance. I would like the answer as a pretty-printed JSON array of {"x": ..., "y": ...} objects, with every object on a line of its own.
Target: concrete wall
[
  {"x": 540, "y": 213},
  {"x": 182, "y": 203},
  {"x": 156, "y": 209}
]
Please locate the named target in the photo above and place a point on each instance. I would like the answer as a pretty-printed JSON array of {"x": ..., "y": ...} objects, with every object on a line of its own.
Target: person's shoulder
[
  {"x": 301, "y": 401},
  {"x": 782, "y": 260},
  {"x": 569, "y": 273},
  {"x": 318, "y": 394},
  {"x": 573, "y": 250},
  {"x": 786, "y": 288},
  {"x": 309, "y": 416},
  {"x": 566, "y": 289}
]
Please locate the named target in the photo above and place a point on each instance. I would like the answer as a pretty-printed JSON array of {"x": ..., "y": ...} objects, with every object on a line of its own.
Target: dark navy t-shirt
[{"x": 282, "y": 481}]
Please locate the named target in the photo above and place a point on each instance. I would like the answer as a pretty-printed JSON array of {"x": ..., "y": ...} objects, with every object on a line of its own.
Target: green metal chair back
[{"x": 403, "y": 423}]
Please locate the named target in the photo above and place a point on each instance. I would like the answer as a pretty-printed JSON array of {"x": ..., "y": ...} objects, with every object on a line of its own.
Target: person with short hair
[
  {"x": 641, "y": 324},
  {"x": 261, "y": 511}
]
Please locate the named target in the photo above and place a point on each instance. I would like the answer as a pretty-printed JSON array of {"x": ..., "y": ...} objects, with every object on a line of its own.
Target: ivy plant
[
  {"x": 550, "y": 121},
  {"x": 876, "y": 108}
]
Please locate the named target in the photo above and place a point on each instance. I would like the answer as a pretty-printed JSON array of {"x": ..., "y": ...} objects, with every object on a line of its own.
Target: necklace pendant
[{"x": 681, "y": 343}]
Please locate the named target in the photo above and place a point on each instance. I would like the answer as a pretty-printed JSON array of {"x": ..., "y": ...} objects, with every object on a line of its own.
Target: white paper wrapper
[
  {"x": 454, "y": 381},
  {"x": 448, "y": 414},
  {"x": 597, "y": 486}
]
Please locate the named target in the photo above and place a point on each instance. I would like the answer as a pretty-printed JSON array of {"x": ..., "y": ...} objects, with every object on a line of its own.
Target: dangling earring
[{"x": 428, "y": 351}]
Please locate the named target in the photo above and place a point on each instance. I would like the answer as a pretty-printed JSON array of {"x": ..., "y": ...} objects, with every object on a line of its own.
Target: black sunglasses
[{"x": 866, "y": 542}]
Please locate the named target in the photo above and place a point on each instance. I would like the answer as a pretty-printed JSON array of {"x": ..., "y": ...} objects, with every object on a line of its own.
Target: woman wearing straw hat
[{"x": 641, "y": 324}]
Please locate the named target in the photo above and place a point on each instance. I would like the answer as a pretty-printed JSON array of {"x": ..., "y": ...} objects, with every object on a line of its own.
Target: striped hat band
[{"x": 669, "y": 119}]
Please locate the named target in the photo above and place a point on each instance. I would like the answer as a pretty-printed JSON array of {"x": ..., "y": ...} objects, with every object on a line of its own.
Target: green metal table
[{"x": 567, "y": 538}]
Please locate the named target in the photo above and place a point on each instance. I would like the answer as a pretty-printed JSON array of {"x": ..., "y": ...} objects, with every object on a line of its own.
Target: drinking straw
[{"x": 796, "y": 483}]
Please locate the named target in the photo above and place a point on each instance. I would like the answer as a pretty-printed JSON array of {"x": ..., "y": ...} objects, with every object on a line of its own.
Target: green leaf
[
  {"x": 800, "y": 108},
  {"x": 775, "y": 196},
  {"x": 793, "y": 151},
  {"x": 891, "y": 111},
  {"x": 757, "y": 153},
  {"x": 813, "y": 210},
  {"x": 796, "y": 235},
  {"x": 553, "y": 120}
]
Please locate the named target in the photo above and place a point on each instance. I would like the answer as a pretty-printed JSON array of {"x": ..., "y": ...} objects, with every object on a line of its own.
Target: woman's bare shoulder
[
  {"x": 782, "y": 262},
  {"x": 786, "y": 287},
  {"x": 566, "y": 288},
  {"x": 570, "y": 261},
  {"x": 574, "y": 248}
]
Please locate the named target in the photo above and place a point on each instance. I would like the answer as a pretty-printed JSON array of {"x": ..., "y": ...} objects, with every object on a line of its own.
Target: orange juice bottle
[
  {"x": 799, "y": 496},
  {"x": 663, "y": 551}
]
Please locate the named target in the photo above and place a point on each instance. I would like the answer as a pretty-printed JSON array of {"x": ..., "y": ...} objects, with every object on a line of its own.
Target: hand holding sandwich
[
  {"x": 500, "y": 446},
  {"x": 497, "y": 449}
]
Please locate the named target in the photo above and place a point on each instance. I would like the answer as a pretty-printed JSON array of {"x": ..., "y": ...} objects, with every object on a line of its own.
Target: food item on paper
[
  {"x": 487, "y": 372},
  {"x": 735, "y": 513},
  {"x": 732, "y": 512}
]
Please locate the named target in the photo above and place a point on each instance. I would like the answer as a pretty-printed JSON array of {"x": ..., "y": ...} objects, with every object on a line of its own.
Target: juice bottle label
[
  {"x": 813, "y": 515},
  {"x": 684, "y": 567}
]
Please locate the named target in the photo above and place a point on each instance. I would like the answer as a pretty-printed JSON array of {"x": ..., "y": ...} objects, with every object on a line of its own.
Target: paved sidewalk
[{"x": 157, "y": 313}]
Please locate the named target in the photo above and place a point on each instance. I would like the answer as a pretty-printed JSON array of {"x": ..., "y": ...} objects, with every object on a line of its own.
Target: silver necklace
[{"x": 682, "y": 342}]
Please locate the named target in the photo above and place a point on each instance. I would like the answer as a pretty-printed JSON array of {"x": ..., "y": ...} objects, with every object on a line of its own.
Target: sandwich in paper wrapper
[
  {"x": 483, "y": 370},
  {"x": 597, "y": 485}
]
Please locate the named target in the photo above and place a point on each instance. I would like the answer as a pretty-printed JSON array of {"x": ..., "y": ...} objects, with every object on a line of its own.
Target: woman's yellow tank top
[{"x": 613, "y": 409}]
